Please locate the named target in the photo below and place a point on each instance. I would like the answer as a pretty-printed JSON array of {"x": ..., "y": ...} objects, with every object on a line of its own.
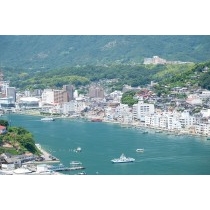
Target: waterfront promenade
[{"x": 47, "y": 157}]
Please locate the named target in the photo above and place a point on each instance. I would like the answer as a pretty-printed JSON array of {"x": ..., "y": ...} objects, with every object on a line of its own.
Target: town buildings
[{"x": 190, "y": 115}]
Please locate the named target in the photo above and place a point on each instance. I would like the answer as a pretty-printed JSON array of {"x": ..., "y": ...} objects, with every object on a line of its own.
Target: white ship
[{"x": 123, "y": 159}]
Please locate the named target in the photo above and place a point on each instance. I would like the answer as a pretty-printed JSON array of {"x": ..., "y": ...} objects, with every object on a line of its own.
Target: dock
[{"x": 63, "y": 168}]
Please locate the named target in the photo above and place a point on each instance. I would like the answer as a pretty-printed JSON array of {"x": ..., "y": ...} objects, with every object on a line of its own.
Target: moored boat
[{"x": 96, "y": 120}]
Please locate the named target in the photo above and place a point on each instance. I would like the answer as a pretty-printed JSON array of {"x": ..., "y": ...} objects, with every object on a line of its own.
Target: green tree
[
  {"x": 4, "y": 123},
  {"x": 127, "y": 98}
]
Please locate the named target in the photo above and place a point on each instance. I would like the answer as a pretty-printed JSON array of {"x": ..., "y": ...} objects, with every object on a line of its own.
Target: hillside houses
[{"x": 183, "y": 108}]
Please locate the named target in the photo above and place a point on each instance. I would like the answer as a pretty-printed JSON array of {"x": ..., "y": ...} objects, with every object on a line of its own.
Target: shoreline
[
  {"x": 136, "y": 125},
  {"x": 48, "y": 158}
]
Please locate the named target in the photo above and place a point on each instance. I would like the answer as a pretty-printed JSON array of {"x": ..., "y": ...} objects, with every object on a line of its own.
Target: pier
[{"x": 61, "y": 167}]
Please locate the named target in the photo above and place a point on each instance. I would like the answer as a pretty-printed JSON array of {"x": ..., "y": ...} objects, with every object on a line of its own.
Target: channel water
[{"x": 101, "y": 142}]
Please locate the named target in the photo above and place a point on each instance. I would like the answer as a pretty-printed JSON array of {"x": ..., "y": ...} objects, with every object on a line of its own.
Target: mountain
[{"x": 39, "y": 52}]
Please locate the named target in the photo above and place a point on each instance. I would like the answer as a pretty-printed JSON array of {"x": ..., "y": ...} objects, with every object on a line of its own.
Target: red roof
[{"x": 2, "y": 127}]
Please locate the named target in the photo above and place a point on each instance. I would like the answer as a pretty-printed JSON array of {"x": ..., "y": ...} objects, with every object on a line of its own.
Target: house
[{"x": 3, "y": 129}]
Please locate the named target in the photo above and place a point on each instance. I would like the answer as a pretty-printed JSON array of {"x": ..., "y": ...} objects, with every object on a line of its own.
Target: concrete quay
[{"x": 47, "y": 157}]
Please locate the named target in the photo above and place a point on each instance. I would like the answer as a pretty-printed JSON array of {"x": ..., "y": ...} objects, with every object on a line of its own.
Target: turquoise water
[{"x": 101, "y": 142}]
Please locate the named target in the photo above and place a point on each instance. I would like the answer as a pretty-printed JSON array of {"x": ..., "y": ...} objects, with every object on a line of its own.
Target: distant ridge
[{"x": 52, "y": 51}]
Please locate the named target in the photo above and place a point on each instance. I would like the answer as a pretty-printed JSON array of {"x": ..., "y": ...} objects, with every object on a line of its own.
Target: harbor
[{"x": 45, "y": 164}]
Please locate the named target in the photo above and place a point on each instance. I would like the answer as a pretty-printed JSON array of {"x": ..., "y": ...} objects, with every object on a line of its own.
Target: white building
[
  {"x": 205, "y": 112},
  {"x": 203, "y": 129},
  {"x": 28, "y": 102},
  {"x": 205, "y": 94},
  {"x": 173, "y": 122},
  {"x": 144, "y": 109},
  {"x": 48, "y": 96},
  {"x": 73, "y": 106},
  {"x": 186, "y": 120},
  {"x": 156, "y": 121},
  {"x": 194, "y": 100},
  {"x": 123, "y": 113},
  {"x": 116, "y": 96}
]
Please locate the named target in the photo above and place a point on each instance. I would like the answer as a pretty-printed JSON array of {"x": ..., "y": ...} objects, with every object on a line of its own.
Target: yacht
[{"x": 123, "y": 159}]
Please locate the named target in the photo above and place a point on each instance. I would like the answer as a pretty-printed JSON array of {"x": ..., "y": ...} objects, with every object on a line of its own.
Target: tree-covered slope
[
  {"x": 134, "y": 75},
  {"x": 47, "y": 52}
]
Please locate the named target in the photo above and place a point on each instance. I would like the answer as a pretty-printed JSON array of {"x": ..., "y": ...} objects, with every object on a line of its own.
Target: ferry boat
[
  {"x": 123, "y": 159},
  {"x": 47, "y": 119}
]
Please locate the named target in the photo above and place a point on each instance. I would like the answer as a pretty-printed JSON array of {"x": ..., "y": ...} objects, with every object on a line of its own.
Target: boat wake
[{"x": 160, "y": 158}]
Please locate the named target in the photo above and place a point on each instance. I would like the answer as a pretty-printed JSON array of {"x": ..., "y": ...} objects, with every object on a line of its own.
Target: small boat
[
  {"x": 73, "y": 168},
  {"x": 82, "y": 173},
  {"x": 75, "y": 163},
  {"x": 123, "y": 159},
  {"x": 144, "y": 132},
  {"x": 47, "y": 119},
  {"x": 139, "y": 150},
  {"x": 78, "y": 149},
  {"x": 96, "y": 120},
  {"x": 158, "y": 131}
]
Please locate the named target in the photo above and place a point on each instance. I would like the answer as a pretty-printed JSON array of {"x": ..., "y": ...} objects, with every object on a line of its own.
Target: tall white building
[
  {"x": 187, "y": 120},
  {"x": 144, "y": 109},
  {"x": 173, "y": 122}
]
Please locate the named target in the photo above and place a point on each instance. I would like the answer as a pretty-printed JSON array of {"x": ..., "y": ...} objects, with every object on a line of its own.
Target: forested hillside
[
  {"x": 48, "y": 52},
  {"x": 134, "y": 75}
]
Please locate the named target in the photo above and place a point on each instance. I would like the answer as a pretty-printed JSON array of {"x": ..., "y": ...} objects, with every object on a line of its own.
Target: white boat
[
  {"x": 78, "y": 149},
  {"x": 139, "y": 150},
  {"x": 75, "y": 163},
  {"x": 47, "y": 119},
  {"x": 82, "y": 173},
  {"x": 123, "y": 159}
]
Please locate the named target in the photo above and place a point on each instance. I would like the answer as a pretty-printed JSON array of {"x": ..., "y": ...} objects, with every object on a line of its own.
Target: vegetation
[
  {"x": 134, "y": 75},
  {"x": 20, "y": 140},
  {"x": 41, "y": 53},
  {"x": 204, "y": 80},
  {"x": 127, "y": 98},
  {"x": 4, "y": 123},
  {"x": 52, "y": 61}
]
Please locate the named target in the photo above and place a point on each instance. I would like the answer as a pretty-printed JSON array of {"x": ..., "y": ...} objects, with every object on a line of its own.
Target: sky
[
  {"x": 104, "y": 17},
  {"x": 100, "y": 17}
]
